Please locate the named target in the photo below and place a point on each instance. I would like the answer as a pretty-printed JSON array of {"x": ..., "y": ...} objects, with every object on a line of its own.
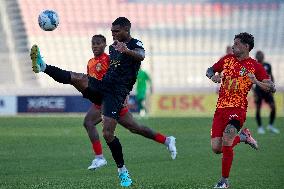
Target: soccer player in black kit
[
  {"x": 260, "y": 95},
  {"x": 126, "y": 54}
]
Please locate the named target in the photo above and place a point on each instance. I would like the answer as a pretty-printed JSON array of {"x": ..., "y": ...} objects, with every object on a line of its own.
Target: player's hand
[
  {"x": 120, "y": 46},
  {"x": 216, "y": 78},
  {"x": 252, "y": 78}
]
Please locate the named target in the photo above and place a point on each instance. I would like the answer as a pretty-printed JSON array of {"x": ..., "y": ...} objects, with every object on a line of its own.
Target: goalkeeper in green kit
[{"x": 143, "y": 79}]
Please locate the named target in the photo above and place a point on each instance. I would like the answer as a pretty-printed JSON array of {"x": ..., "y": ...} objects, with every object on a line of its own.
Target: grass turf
[{"x": 54, "y": 152}]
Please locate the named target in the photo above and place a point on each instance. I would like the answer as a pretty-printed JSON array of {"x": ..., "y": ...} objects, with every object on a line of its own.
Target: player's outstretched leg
[
  {"x": 128, "y": 122},
  {"x": 38, "y": 65},
  {"x": 248, "y": 139}
]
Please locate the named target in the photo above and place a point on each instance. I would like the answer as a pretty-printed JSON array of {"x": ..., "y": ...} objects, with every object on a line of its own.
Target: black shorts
[
  {"x": 94, "y": 97},
  {"x": 111, "y": 98},
  {"x": 262, "y": 95}
]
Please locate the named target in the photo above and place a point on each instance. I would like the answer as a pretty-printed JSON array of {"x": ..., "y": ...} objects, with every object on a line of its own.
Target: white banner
[{"x": 8, "y": 105}]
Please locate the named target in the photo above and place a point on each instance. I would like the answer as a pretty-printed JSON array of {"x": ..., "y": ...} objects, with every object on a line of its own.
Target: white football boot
[{"x": 97, "y": 163}]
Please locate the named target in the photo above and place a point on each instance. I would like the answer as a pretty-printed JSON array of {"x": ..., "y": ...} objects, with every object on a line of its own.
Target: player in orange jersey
[
  {"x": 97, "y": 67},
  {"x": 239, "y": 73}
]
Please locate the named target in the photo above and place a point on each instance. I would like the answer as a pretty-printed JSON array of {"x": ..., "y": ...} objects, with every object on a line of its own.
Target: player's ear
[
  {"x": 127, "y": 29},
  {"x": 247, "y": 46}
]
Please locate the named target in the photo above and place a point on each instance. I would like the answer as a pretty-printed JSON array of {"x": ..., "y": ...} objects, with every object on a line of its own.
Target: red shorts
[
  {"x": 222, "y": 117},
  {"x": 122, "y": 112}
]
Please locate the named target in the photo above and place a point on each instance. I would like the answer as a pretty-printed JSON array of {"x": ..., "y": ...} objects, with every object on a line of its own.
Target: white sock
[
  {"x": 167, "y": 142},
  {"x": 122, "y": 169},
  {"x": 100, "y": 156}
]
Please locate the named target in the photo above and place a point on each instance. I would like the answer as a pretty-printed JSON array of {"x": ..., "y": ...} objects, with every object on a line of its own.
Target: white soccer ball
[{"x": 48, "y": 20}]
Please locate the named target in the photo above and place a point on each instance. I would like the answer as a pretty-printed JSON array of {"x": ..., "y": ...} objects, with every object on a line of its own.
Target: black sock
[
  {"x": 116, "y": 151},
  {"x": 59, "y": 75}
]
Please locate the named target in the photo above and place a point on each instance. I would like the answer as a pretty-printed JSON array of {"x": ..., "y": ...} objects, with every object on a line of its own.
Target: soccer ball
[{"x": 48, "y": 20}]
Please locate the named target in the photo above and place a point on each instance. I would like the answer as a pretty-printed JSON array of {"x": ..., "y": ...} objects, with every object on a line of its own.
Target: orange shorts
[
  {"x": 222, "y": 117},
  {"x": 122, "y": 112}
]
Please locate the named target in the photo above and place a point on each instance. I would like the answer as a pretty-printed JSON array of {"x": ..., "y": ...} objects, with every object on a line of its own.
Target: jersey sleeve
[
  {"x": 260, "y": 73},
  {"x": 218, "y": 66},
  {"x": 137, "y": 44}
]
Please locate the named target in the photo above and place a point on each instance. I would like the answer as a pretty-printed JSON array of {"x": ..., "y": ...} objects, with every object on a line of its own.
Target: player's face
[
  {"x": 240, "y": 48},
  {"x": 119, "y": 33},
  {"x": 98, "y": 46}
]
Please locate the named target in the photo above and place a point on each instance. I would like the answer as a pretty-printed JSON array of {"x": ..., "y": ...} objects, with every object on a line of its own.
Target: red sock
[
  {"x": 228, "y": 155},
  {"x": 160, "y": 138},
  {"x": 237, "y": 140},
  {"x": 97, "y": 147}
]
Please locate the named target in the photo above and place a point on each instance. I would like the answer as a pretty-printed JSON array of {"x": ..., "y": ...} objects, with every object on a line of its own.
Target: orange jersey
[
  {"x": 235, "y": 82},
  {"x": 98, "y": 66}
]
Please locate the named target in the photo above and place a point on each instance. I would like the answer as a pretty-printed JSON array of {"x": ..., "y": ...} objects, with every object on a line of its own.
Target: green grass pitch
[{"x": 54, "y": 152}]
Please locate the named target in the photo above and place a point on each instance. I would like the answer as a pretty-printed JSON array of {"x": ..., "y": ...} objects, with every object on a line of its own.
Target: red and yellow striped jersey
[{"x": 235, "y": 82}]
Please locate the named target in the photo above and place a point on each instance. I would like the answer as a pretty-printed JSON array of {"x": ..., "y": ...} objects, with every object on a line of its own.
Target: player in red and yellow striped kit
[
  {"x": 237, "y": 72},
  {"x": 97, "y": 68}
]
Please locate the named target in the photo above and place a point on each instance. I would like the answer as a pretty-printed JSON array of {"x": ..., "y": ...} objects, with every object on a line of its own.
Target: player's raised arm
[{"x": 138, "y": 53}]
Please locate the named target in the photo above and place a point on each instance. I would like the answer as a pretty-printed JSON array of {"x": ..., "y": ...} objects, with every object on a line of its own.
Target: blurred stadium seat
[{"x": 182, "y": 38}]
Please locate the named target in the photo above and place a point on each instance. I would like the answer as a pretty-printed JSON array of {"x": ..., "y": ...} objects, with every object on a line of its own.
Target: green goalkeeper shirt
[{"x": 141, "y": 85}]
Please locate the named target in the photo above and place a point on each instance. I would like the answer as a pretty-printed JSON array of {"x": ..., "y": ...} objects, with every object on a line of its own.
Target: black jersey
[
  {"x": 123, "y": 69},
  {"x": 268, "y": 70}
]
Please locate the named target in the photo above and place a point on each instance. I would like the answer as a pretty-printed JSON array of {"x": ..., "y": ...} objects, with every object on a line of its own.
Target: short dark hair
[
  {"x": 122, "y": 21},
  {"x": 99, "y": 36},
  {"x": 246, "y": 38}
]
